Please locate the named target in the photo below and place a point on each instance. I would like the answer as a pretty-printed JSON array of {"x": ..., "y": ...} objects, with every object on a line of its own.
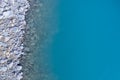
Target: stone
[
  {"x": 2, "y": 61},
  {"x": 1, "y": 17},
  {"x": 2, "y": 4},
  {"x": 3, "y": 69},
  {"x": 3, "y": 44},
  {"x": 5, "y": 34},
  {"x": 14, "y": 29},
  {"x": 1, "y": 10},
  {"x": 19, "y": 77},
  {"x": 21, "y": 47},
  {"x": 10, "y": 65},
  {"x": 7, "y": 14},
  {"x": 22, "y": 17},
  {"x": 7, "y": 39},
  {"x": 19, "y": 68},
  {"x": 1, "y": 38}
]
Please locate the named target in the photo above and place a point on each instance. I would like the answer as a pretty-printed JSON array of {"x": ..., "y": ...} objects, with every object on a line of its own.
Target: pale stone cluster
[{"x": 12, "y": 30}]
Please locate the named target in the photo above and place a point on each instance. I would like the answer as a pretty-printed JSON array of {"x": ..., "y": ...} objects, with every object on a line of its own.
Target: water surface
[{"x": 87, "y": 45}]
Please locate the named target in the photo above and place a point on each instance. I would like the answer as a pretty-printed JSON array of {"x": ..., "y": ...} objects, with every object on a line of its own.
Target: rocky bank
[{"x": 12, "y": 30}]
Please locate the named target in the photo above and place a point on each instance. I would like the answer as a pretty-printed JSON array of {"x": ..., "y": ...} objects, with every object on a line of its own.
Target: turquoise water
[{"x": 87, "y": 45}]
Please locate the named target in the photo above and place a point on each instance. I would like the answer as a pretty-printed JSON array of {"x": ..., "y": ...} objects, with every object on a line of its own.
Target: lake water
[{"x": 86, "y": 45}]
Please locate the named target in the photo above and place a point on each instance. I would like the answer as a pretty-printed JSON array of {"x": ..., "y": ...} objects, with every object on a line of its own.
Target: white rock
[
  {"x": 1, "y": 10},
  {"x": 2, "y": 4},
  {"x": 1, "y": 17},
  {"x": 7, "y": 39},
  {"x": 3, "y": 69},
  {"x": 7, "y": 14},
  {"x": 19, "y": 77},
  {"x": 21, "y": 17},
  {"x": 21, "y": 9},
  {"x": 3, "y": 44},
  {"x": 14, "y": 29},
  {"x": 19, "y": 68},
  {"x": 12, "y": 2},
  {"x": 5, "y": 34},
  {"x": 10, "y": 65},
  {"x": 1, "y": 37},
  {"x": 16, "y": 52},
  {"x": 6, "y": 1},
  {"x": 3, "y": 61}
]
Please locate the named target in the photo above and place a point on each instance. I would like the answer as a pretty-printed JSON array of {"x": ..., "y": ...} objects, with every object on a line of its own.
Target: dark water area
[{"x": 87, "y": 45}]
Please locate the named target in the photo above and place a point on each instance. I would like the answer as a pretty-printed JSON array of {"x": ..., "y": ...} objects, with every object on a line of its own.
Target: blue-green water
[
  {"x": 87, "y": 45},
  {"x": 41, "y": 26}
]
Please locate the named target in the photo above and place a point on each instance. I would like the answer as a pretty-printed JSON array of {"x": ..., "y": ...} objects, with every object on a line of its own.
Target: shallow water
[{"x": 36, "y": 63}]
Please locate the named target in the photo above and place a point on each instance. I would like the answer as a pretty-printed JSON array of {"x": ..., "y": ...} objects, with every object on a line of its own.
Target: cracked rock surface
[{"x": 12, "y": 26}]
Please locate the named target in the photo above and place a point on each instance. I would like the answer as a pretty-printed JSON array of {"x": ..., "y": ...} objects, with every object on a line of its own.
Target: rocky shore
[{"x": 12, "y": 30}]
